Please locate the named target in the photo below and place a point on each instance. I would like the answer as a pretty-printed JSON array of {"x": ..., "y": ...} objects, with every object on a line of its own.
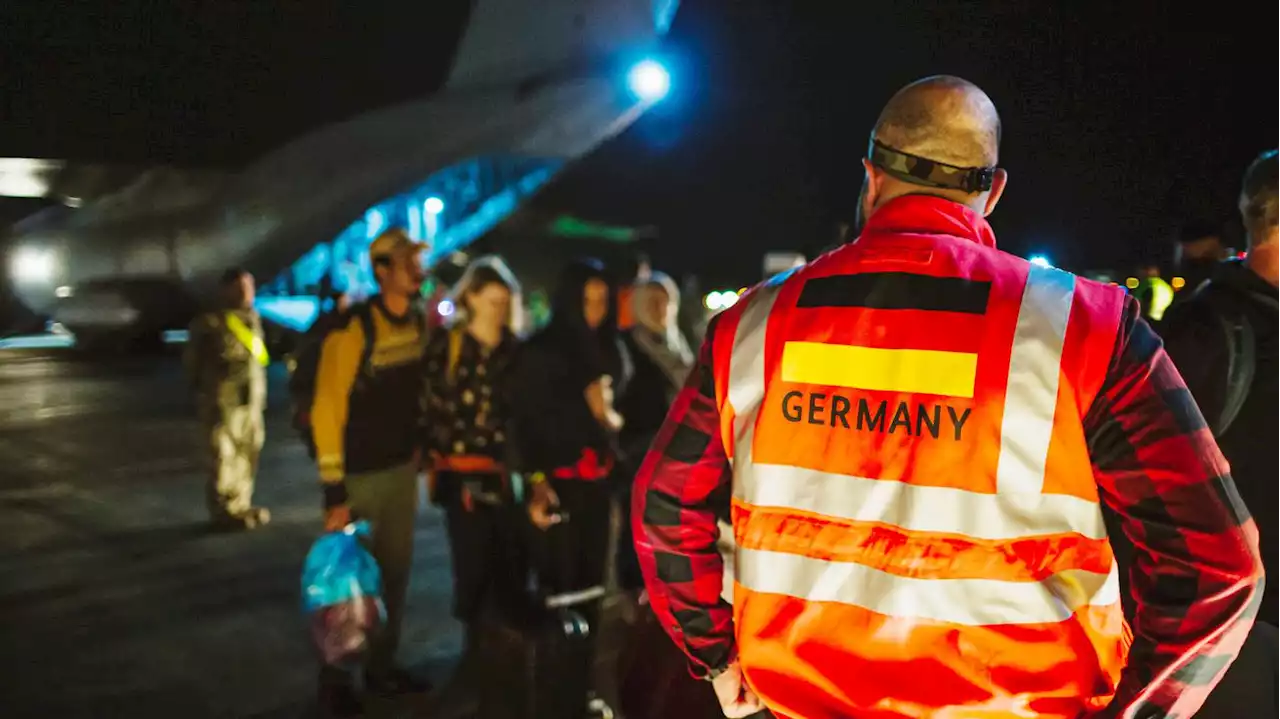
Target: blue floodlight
[
  {"x": 434, "y": 205},
  {"x": 649, "y": 80},
  {"x": 1040, "y": 260},
  {"x": 445, "y": 308}
]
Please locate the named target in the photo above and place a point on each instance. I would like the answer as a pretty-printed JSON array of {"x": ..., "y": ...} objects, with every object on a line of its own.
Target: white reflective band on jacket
[{"x": 848, "y": 551}]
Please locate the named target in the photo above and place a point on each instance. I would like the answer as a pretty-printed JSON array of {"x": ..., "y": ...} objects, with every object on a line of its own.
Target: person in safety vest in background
[
  {"x": 1153, "y": 293},
  {"x": 226, "y": 360},
  {"x": 918, "y": 432}
]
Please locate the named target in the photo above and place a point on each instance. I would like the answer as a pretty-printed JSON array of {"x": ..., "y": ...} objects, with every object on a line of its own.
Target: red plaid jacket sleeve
[
  {"x": 680, "y": 490},
  {"x": 1196, "y": 573}
]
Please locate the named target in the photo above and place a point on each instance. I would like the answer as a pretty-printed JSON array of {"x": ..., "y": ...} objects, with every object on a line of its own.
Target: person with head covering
[
  {"x": 662, "y": 359},
  {"x": 566, "y": 428}
]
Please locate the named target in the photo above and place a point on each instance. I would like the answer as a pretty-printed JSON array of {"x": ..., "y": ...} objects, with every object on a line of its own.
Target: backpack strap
[
  {"x": 455, "y": 354},
  {"x": 1241, "y": 344},
  {"x": 364, "y": 315},
  {"x": 1242, "y": 364}
]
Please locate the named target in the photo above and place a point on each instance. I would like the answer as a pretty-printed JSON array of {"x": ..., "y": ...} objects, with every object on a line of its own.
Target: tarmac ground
[{"x": 117, "y": 600}]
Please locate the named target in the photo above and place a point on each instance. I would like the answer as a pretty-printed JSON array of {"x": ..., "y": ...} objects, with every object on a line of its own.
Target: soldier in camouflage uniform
[{"x": 226, "y": 360}]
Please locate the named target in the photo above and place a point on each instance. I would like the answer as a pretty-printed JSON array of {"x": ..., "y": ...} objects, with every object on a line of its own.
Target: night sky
[{"x": 1120, "y": 119}]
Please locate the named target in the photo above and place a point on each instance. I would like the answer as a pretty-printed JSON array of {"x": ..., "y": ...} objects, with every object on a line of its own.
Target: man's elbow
[
  {"x": 1257, "y": 573},
  {"x": 1246, "y": 567}
]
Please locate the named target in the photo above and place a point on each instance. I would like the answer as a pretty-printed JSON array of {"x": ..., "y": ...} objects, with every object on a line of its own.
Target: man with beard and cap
[
  {"x": 918, "y": 432},
  {"x": 367, "y": 421},
  {"x": 565, "y": 428}
]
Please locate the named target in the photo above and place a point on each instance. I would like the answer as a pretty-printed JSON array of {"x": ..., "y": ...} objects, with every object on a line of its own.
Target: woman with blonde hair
[
  {"x": 468, "y": 406},
  {"x": 484, "y": 271}
]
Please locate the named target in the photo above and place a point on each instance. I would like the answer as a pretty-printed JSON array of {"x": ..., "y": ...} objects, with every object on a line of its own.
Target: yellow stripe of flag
[{"x": 918, "y": 371}]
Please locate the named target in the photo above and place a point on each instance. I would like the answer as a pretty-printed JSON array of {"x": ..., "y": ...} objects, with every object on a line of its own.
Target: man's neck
[
  {"x": 485, "y": 333},
  {"x": 396, "y": 304},
  {"x": 1262, "y": 259}
]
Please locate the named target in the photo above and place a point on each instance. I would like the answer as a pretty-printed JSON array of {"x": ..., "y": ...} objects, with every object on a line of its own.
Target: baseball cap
[{"x": 393, "y": 241}]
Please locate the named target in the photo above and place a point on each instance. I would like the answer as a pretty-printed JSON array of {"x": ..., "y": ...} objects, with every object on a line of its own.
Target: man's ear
[
  {"x": 873, "y": 183},
  {"x": 871, "y": 186},
  {"x": 998, "y": 182}
]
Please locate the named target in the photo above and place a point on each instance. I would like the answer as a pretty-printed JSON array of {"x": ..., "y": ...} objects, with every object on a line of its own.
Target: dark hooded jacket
[
  {"x": 552, "y": 422},
  {"x": 1197, "y": 345}
]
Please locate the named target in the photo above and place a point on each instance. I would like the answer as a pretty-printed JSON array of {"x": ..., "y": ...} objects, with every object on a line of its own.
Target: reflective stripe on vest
[
  {"x": 994, "y": 589},
  {"x": 246, "y": 337}
]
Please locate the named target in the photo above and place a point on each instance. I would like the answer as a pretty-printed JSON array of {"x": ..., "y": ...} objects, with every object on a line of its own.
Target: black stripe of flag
[{"x": 897, "y": 291}]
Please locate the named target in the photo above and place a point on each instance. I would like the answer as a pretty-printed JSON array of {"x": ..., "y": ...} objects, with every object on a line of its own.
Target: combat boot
[
  {"x": 251, "y": 518},
  {"x": 255, "y": 517}
]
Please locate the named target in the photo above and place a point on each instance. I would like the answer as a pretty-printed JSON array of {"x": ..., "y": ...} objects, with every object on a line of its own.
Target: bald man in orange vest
[{"x": 918, "y": 433}]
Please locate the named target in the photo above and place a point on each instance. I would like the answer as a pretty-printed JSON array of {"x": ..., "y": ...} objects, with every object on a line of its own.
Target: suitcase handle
[{"x": 568, "y": 599}]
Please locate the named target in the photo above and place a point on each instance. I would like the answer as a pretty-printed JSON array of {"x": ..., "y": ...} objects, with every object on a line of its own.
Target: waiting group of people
[{"x": 516, "y": 434}]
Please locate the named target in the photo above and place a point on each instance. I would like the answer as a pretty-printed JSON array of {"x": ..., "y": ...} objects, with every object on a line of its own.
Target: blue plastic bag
[{"x": 342, "y": 595}]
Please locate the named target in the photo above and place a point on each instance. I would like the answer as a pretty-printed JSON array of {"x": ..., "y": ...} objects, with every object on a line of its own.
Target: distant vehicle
[{"x": 533, "y": 86}]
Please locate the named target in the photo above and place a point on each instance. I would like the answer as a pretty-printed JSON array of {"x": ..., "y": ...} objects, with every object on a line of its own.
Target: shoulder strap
[
  {"x": 1241, "y": 366},
  {"x": 364, "y": 314},
  {"x": 455, "y": 354}
]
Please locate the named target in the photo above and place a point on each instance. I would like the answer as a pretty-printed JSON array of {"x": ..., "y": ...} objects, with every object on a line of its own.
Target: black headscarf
[{"x": 568, "y": 326}]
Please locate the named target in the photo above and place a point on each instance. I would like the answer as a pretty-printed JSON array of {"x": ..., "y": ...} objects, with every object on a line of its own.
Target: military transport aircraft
[{"x": 533, "y": 85}]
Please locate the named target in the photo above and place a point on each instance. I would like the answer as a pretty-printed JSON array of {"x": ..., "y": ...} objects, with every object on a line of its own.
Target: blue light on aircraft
[
  {"x": 1040, "y": 260},
  {"x": 37, "y": 342},
  {"x": 433, "y": 205},
  {"x": 376, "y": 221},
  {"x": 649, "y": 80},
  {"x": 296, "y": 313},
  {"x": 445, "y": 308}
]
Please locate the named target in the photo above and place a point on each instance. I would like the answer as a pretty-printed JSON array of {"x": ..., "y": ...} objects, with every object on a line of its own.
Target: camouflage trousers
[{"x": 235, "y": 436}]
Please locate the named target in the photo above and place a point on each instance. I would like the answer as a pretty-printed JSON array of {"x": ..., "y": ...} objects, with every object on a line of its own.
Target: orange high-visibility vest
[{"x": 918, "y": 526}]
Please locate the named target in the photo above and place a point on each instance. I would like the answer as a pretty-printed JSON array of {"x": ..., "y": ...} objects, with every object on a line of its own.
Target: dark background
[{"x": 1120, "y": 119}]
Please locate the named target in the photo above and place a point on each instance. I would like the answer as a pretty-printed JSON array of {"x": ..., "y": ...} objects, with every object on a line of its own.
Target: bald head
[{"x": 942, "y": 118}]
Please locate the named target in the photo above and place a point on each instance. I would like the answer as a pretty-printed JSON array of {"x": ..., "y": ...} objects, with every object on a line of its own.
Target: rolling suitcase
[
  {"x": 536, "y": 655},
  {"x": 538, "y": 666}
]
